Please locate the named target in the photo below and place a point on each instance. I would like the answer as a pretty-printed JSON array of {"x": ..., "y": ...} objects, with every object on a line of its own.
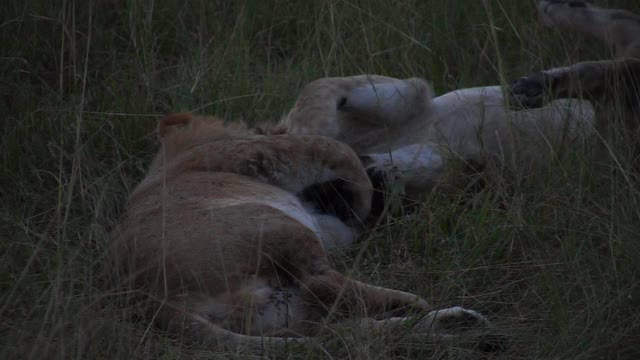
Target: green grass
[{"x": 552, "y": 259}]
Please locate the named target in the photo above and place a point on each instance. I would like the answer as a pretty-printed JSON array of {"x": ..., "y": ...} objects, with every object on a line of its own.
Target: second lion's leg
[
  {"x": 592, "y": 80},
  {"x": 584, "y": 79},
  {"x": 613, "y": 85}
]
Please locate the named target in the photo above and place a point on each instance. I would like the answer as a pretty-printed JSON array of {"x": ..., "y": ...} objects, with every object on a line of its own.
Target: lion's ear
[{"x": 172, "y": 122}]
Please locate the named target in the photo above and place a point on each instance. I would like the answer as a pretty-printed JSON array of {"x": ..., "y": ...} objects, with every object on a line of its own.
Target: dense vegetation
[{"x": 553, "y": 259}]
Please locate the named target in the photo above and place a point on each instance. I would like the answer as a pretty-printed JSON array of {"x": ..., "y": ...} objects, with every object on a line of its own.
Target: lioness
[
  {"x": 603, "y": 82},
  {"x": 223, "y": 238},
  {"x": 399, "y": 128}
]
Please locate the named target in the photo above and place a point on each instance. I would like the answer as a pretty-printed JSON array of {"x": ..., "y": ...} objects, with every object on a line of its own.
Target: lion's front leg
[
  {"x": 581, "y": 80},
  {"x": 592, "y": 80},
  {"x": 531, "y": 91}
]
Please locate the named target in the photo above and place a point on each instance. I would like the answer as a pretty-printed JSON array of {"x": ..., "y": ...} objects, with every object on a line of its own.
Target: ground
[{"x": 553, "y": 259}]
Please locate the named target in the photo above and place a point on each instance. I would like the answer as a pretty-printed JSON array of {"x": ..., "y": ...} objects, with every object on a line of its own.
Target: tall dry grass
[{"x": 552, "y": 259}]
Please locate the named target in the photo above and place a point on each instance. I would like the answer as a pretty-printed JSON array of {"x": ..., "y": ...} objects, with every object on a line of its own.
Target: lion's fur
[
  {"x": 221, "y": 239},
  {"x": 397, "y": 127},
  {"x": 182, "y": 131},
  {"x": 369, "y": 112}
]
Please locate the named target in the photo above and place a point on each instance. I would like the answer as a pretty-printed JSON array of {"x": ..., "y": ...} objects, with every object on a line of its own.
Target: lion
[
  {"x": 607, "y": 82},
  {"x": 400, "y": 130},
  {"x": 223, "y": 237}
]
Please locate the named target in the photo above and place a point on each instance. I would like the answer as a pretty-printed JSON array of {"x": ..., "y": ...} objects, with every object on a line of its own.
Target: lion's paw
[
  {"x": 528, "y": 91},
  {"x": 460, "y": 324},
  {"x": 387, "y": 184},
  {"x": 454, "y": 320}
]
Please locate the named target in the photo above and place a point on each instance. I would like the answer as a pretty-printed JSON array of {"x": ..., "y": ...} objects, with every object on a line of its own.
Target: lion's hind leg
[
  {"x": 253, "y": 316},
  {"x": 197, "y": 328},
  {"x": 200, "y": 318},
  {"x": 346, "y": 297}
]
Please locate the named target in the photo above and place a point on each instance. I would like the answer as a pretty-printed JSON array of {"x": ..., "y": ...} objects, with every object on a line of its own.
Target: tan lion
[
  {"x": 607, "y": 83},
  {"x": 224, "y": 238},
  {"x": 399, "y": 128}
]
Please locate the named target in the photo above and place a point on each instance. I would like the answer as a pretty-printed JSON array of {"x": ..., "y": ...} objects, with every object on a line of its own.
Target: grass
[{"x": 552, "y": 259}]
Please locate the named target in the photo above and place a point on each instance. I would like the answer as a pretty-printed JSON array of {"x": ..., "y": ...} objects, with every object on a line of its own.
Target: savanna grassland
[{"x": 553, "y": 259}]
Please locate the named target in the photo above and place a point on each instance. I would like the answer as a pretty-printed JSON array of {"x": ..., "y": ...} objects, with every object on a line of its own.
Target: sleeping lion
[
  {"x": 225, "y": 240},
  {"x": 405, "y": 134},
  {"x": 401, "y": 130}
]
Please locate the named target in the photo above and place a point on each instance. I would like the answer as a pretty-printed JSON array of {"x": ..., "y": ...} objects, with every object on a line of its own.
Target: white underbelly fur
[{"x": 331, "y": 230}]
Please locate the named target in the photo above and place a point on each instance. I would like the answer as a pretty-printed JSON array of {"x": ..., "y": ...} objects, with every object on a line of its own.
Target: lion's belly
[{"x": 471, "y": 123}]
